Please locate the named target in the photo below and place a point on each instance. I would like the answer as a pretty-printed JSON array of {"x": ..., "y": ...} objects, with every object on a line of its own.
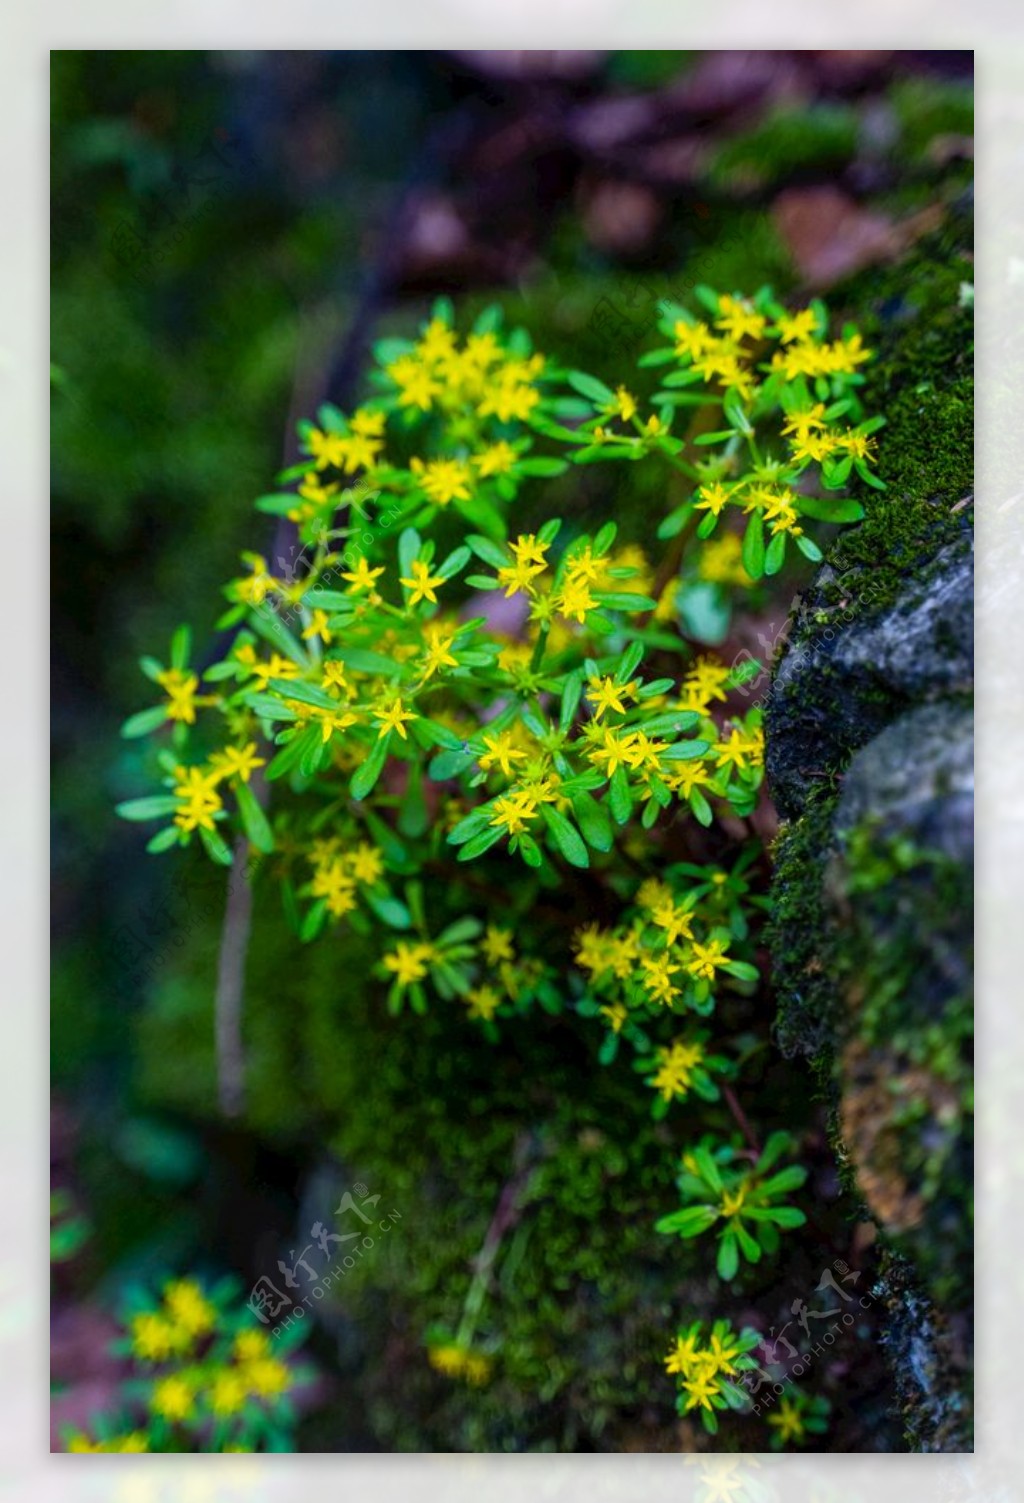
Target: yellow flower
[
  {"x": 325, "y": 448},
  {"x": 336, "y": 887},
  {"x": 658, "y": 971},
  {"x": 249, "y": 1345},
  {"x": 497, "y": 944},
  {"x": 606, "y": 694},
  {"x": 859, "y": 445},
  {"x": 735, "y": 751},
  {"x": 701, "y": 1389},
  {"x": 181, "y": 694},
  {"x": 189, "y": 1308},
  {"x": 483, "y": 1002},
  {"x": 136, "y": 1441},
  {"x": 845, "y": 355},
  {"x": 709, "y": 676},
  {"x": 331, "y": 721},
  {"x": 276, "y": 667},
  {"x": 367, "y": 423},
  {"x": 392, "y": 717},
  {"x": 529, "y": 549},
  {"x": 501, "y": 752},
  {"x": 616, "y": 1014},
  {"x": 614, "y": 752},
  {"x": 254, "y": 589},
  {"x": 676, "y": 922},
  {"x": 422, "y": 584},
  {"x": 645, "y": 753},
  {"x": 443, "y": 480},
  {"x": 408, "y": 962},
  {"x": 198, "y": 799},
  {"x": 732, "y": 1200},
  {"x": 738, "y": 318},
  {"x": 172, "y": 1398},
  {"x": 690, "y": 775},
  {"x": 498, "y": 459},
  {"x": 517, "y": 579},
  {"x": 807, "y": 420},
  {"x": 416, "y": 386},
  {"x": 693, "y": 340},
  {"x": 367, "y": 863},
  {"x": 455, "y": 1362},
  {"x": 712, "y": 498},
  {"x": 797, "y": 326},
  {"x": 153, "y": 1337},
  {"x": 723, "y": 1352},
  {"x": 622, "y": 405},
  {"x": 267, "y": 1377},
  {"x": 438, "y": 654},
  {"x": 681, "y": 1358},
  {"x": 228, "y": 1392},
  {"x": 362, "y": 577},
  {"x": 513, "y": 811},
  {"x": 721, "y": 561},
  {"x": 334, "y": 677},
  {"x": 707, "y": 959},
  {"x": 237, "y": 761},
  {"x": 788, "y": 1419},
  {"x": 676, "y": 1067},
  {"x": 651, "y": 892},
  {"x": 575, "y": 600},
  {"x": 317, "y": 628}
]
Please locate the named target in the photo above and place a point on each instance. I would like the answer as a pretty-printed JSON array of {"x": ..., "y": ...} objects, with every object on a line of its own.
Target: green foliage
[
  {"x": 746, "y": 1199},
  {"x": 382, "y": 717},
  {"x": 69, "y": 1229}
]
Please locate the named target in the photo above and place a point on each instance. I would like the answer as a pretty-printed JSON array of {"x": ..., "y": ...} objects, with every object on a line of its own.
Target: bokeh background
[{"x": 228, "y": 232}]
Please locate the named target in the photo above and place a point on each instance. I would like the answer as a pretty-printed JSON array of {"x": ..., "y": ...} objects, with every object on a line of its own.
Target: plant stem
[
  {"x": 234, "y": 944},
  {"x": 741, "y": 1119}
]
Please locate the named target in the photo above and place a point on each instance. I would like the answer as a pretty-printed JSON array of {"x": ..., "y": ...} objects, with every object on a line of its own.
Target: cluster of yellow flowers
[
  {"x": 222, "y": 1389},
  {"x": 458, "y": 1362},
  {"x": 482, "y": 969},
  {"x": 676, "y": 1066},
  {"x": 482, "y": 377},
  {"x": 705, "y": 1369},
  {"x": 339, "y": 873},
  {"x": 207, "y": 1372},
  {"x": 642, "y": 959},
  {"x": 133, "y": 1441},
  {"x": 195, "y": 788},
  {"x": 728, "y": 357}
]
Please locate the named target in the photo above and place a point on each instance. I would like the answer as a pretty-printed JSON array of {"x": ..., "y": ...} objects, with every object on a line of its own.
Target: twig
[
  {"x": 505, "y": 1216},
  {"x": 741, "y": 1119},
  {"x": 234, "y": 945}
]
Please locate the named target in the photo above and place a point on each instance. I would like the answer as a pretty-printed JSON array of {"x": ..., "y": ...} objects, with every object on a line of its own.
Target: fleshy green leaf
[
  {"x": 366, "y": 775},
  {"x": 255, "y": 822}
]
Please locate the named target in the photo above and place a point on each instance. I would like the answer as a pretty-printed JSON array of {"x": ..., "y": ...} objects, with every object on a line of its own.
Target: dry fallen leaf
[{"x": 829, "y": 235}]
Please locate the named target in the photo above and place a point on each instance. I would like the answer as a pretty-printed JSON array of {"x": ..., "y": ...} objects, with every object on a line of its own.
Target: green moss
[
  {"x": 926, "y": 108},
  {"x": 797, "y": 934},
  {"x": 790, "y": 140},
  {"x": 908, "y": 1092},
  {"x": 922, "y": 383}
]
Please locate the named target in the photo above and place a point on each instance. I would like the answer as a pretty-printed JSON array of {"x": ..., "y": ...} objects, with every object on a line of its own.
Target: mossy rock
[{"x": 869, "y": 762}]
